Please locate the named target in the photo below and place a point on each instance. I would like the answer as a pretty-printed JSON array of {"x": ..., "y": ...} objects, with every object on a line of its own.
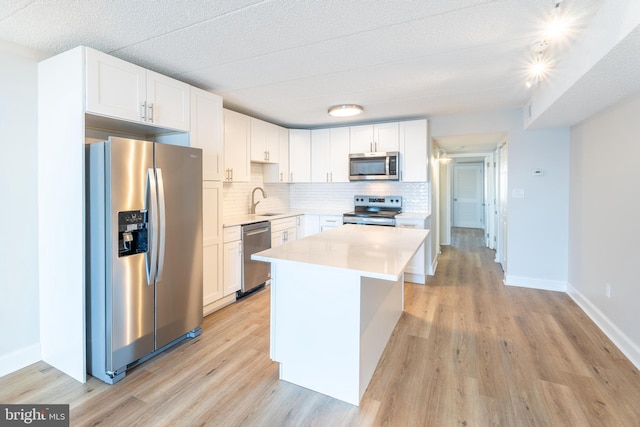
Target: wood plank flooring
[{"x": 468, "y": 351}]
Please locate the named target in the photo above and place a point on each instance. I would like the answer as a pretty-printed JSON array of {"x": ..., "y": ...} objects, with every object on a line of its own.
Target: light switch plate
[{"x": 517, "y": 193}]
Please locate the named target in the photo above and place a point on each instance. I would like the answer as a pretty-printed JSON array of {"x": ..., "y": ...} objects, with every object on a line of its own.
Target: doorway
[{"x": 468, "y": 195}]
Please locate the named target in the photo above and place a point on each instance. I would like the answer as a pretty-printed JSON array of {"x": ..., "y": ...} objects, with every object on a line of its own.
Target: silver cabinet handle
[
  {"x": 330, "y": 176},
  {"x": 290, "y": 176},
  {"x": 281, "y": 176},
  {"x": 151, "y": 112},
  {"x": 371, "y": 146},
  {"x": 327, "y": 176},
  {"x": 143, "y": 112}
]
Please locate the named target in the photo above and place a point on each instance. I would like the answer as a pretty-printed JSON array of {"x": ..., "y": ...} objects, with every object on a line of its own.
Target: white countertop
[
  {"x": 233, "y": 220},
  {"x": 379, "y": 252}
]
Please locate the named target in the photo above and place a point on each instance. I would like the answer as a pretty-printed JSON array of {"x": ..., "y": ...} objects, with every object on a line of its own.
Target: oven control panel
[{"x": 394, "y": 202}]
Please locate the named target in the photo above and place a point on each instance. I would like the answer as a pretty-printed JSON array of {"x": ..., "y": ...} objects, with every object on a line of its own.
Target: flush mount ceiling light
[{"x": 345, "y": 110}]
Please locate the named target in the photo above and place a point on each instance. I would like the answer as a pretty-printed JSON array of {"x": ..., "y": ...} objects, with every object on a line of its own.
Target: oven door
[{"x": 368, "y": 220}]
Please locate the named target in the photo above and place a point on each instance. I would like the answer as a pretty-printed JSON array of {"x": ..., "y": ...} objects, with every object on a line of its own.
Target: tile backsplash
[{"x": 317, "y": 196}]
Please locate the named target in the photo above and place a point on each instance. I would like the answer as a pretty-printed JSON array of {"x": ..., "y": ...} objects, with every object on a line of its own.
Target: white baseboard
[
  {"x": 619, "y": 338},
  {"x": 420, "y": 279},
  {"x": 19, "y": 359},
  {"x": 530, "y": 282},
  {"x": 433, "y": 266},
  {"x": 217, "y": 305}
]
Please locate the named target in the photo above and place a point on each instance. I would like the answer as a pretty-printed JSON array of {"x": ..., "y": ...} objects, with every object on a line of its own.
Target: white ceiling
[{"x": 287, "y": 61}]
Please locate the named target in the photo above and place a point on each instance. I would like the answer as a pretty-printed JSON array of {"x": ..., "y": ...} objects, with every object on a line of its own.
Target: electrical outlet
[{"x": 607, "y": 290}]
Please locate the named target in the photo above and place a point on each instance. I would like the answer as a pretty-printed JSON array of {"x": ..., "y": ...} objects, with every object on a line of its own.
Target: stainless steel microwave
[{"x": 374, "y": 166}]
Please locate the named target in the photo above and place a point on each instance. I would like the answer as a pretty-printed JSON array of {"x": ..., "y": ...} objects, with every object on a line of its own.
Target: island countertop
[{"x": 378, "y": 252}]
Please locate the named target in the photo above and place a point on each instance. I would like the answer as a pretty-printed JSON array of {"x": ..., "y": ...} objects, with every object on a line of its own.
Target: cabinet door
[
  {"x": 237, "y": 129},
  {"x": 278, "y": 171},
  {"x": 232, "y": 267},
  {"x": 168, "y": 102},
  {"x": 212, "y": 241},
  {"x": 258, "y": 140},
  {"x": 115, "y": 88},
  {"x": 385, "y": 137},
  {"x": 361, "y": 139},
  {"x": 320, "y": 155},
  {"x": 207, "y": 132},
  {"x": 339, "y": 171},
  {"x": 311, "y": 224},
  {"x": 300, "y": 227},
  {"x": 414, "y": 156},
  {"x": 299, "y": 155},
  {"x": 272, "y": 142}
]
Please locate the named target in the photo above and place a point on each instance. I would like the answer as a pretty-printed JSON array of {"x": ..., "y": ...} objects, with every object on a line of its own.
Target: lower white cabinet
[
  {"x": 416, "y": 271},
  {"x": 311, "y": 225},
  {"x": 232, "y": 260},
  {"x": 327, "y": 222},
  {"x": 283, "y": 230},
  {"x": 211, "y": 242}
]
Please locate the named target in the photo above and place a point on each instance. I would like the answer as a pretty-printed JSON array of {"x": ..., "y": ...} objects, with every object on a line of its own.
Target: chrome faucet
[{"x": 253, "y": 195}]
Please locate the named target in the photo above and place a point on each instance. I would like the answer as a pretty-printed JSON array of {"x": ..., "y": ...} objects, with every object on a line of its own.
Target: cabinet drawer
[
  {"x": 330, "y": 220},
  {"x": 232, "y": 233},
  {"x": 410, "y": 223},
  {"x": 283, "y": 223}
]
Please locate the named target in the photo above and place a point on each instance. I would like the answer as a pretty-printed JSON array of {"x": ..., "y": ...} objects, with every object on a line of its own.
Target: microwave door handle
[{"x": 387, "y": 166}]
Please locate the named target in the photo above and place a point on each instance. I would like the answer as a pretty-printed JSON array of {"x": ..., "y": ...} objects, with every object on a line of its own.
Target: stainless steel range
[{"x": 374, "y": 210}]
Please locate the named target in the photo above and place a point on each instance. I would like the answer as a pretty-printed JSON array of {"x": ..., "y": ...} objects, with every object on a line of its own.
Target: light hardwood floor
[{"x": 468, "y": 351}]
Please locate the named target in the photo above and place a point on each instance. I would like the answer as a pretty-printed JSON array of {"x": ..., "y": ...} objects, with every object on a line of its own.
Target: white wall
[
  {"x": 537, "y": 233},
  {"x": 19, "y": 318},
  {"x": 604, "y": 230}
]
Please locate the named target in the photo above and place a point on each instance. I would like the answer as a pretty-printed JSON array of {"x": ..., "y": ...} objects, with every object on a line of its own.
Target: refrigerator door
[
  {"x": 179, "y": 277},
  {"x": 129, "y": 293}
]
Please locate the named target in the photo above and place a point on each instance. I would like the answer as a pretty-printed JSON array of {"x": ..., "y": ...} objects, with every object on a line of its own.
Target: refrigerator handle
[
  {"x": 161, "y": 233},
  {"x": 152, "y": 212}
]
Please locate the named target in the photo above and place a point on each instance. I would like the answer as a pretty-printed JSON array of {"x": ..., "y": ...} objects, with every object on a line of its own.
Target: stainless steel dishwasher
[{"x": 256, "y": 237}]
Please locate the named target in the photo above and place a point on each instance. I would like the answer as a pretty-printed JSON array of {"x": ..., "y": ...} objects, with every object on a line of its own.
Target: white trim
[
  {"x": 619, "y": 338},
  {"x": 530, "y": 282},
  {"x": 19, "y": 359},
  {"x": 434, "y": 265}
]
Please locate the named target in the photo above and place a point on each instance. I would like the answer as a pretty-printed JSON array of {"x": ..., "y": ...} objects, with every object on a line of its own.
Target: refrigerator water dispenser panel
[{"x": 132, "y": 233}]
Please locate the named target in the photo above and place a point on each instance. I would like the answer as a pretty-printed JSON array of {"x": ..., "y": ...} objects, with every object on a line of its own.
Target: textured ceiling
[{"x": 287, "y": 61}]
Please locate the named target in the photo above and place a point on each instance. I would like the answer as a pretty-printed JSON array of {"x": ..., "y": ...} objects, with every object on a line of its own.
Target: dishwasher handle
[{"x": 256, "y": 231}]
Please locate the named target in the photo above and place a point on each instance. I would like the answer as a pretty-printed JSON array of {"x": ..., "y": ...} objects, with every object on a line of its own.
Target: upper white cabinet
[
  {"x": 374, "y": 138},
  {"x": 207, "y": 132},
  {"x": 414, "y": 149},
  {"x": 265, "y": 143},
  {"x": 299, "y": 155},
  {"x": 119, "y": 89},
  {"x": 279, "y": 171},
  {"x": 237, "y": 131},
  {"x": 330, "y": 155}
]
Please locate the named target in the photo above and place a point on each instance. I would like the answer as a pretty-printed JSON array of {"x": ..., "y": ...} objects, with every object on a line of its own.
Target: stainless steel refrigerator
[{"x": 143, "y": 251}]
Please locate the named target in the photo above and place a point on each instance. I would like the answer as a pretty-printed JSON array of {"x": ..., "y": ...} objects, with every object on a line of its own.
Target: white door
[{"x": 468, "y": 195}]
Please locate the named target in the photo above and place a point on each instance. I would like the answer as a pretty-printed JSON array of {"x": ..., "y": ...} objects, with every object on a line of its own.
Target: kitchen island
[{"x": 335, "y": 298}]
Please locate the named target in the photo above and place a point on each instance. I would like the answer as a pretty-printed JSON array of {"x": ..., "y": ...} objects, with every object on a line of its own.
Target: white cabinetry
[
  {"x": 330, "y": 155},
  {"x": 119, "y": 89},
  {"x": 414, "y": 149},
  {"x": 279, "y": 171},
  {"x": 299, "y": 155},
  {"x": 283, "y": 230},
  {"x": 416, "y": 271},
  {"x": 327, "y": 222},
  {"x": 232, "y": 260},
  {"x": 212, "y": 242},
  {"x": 265, "y": 144},
  {"x": 311, "y": 225},
  {"x": 237, "y": 131},
  {"x": 374, "y": 138},
  {"x": 207, "y": 132}
]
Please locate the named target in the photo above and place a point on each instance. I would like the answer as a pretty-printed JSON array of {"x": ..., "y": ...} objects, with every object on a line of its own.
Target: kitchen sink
[{"x": 268, "y": 214}]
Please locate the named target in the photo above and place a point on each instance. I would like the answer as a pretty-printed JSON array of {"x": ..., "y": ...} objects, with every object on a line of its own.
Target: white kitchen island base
[
  {"x": 335, "y": 300},
  {"x": 330, "y": 340}
]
